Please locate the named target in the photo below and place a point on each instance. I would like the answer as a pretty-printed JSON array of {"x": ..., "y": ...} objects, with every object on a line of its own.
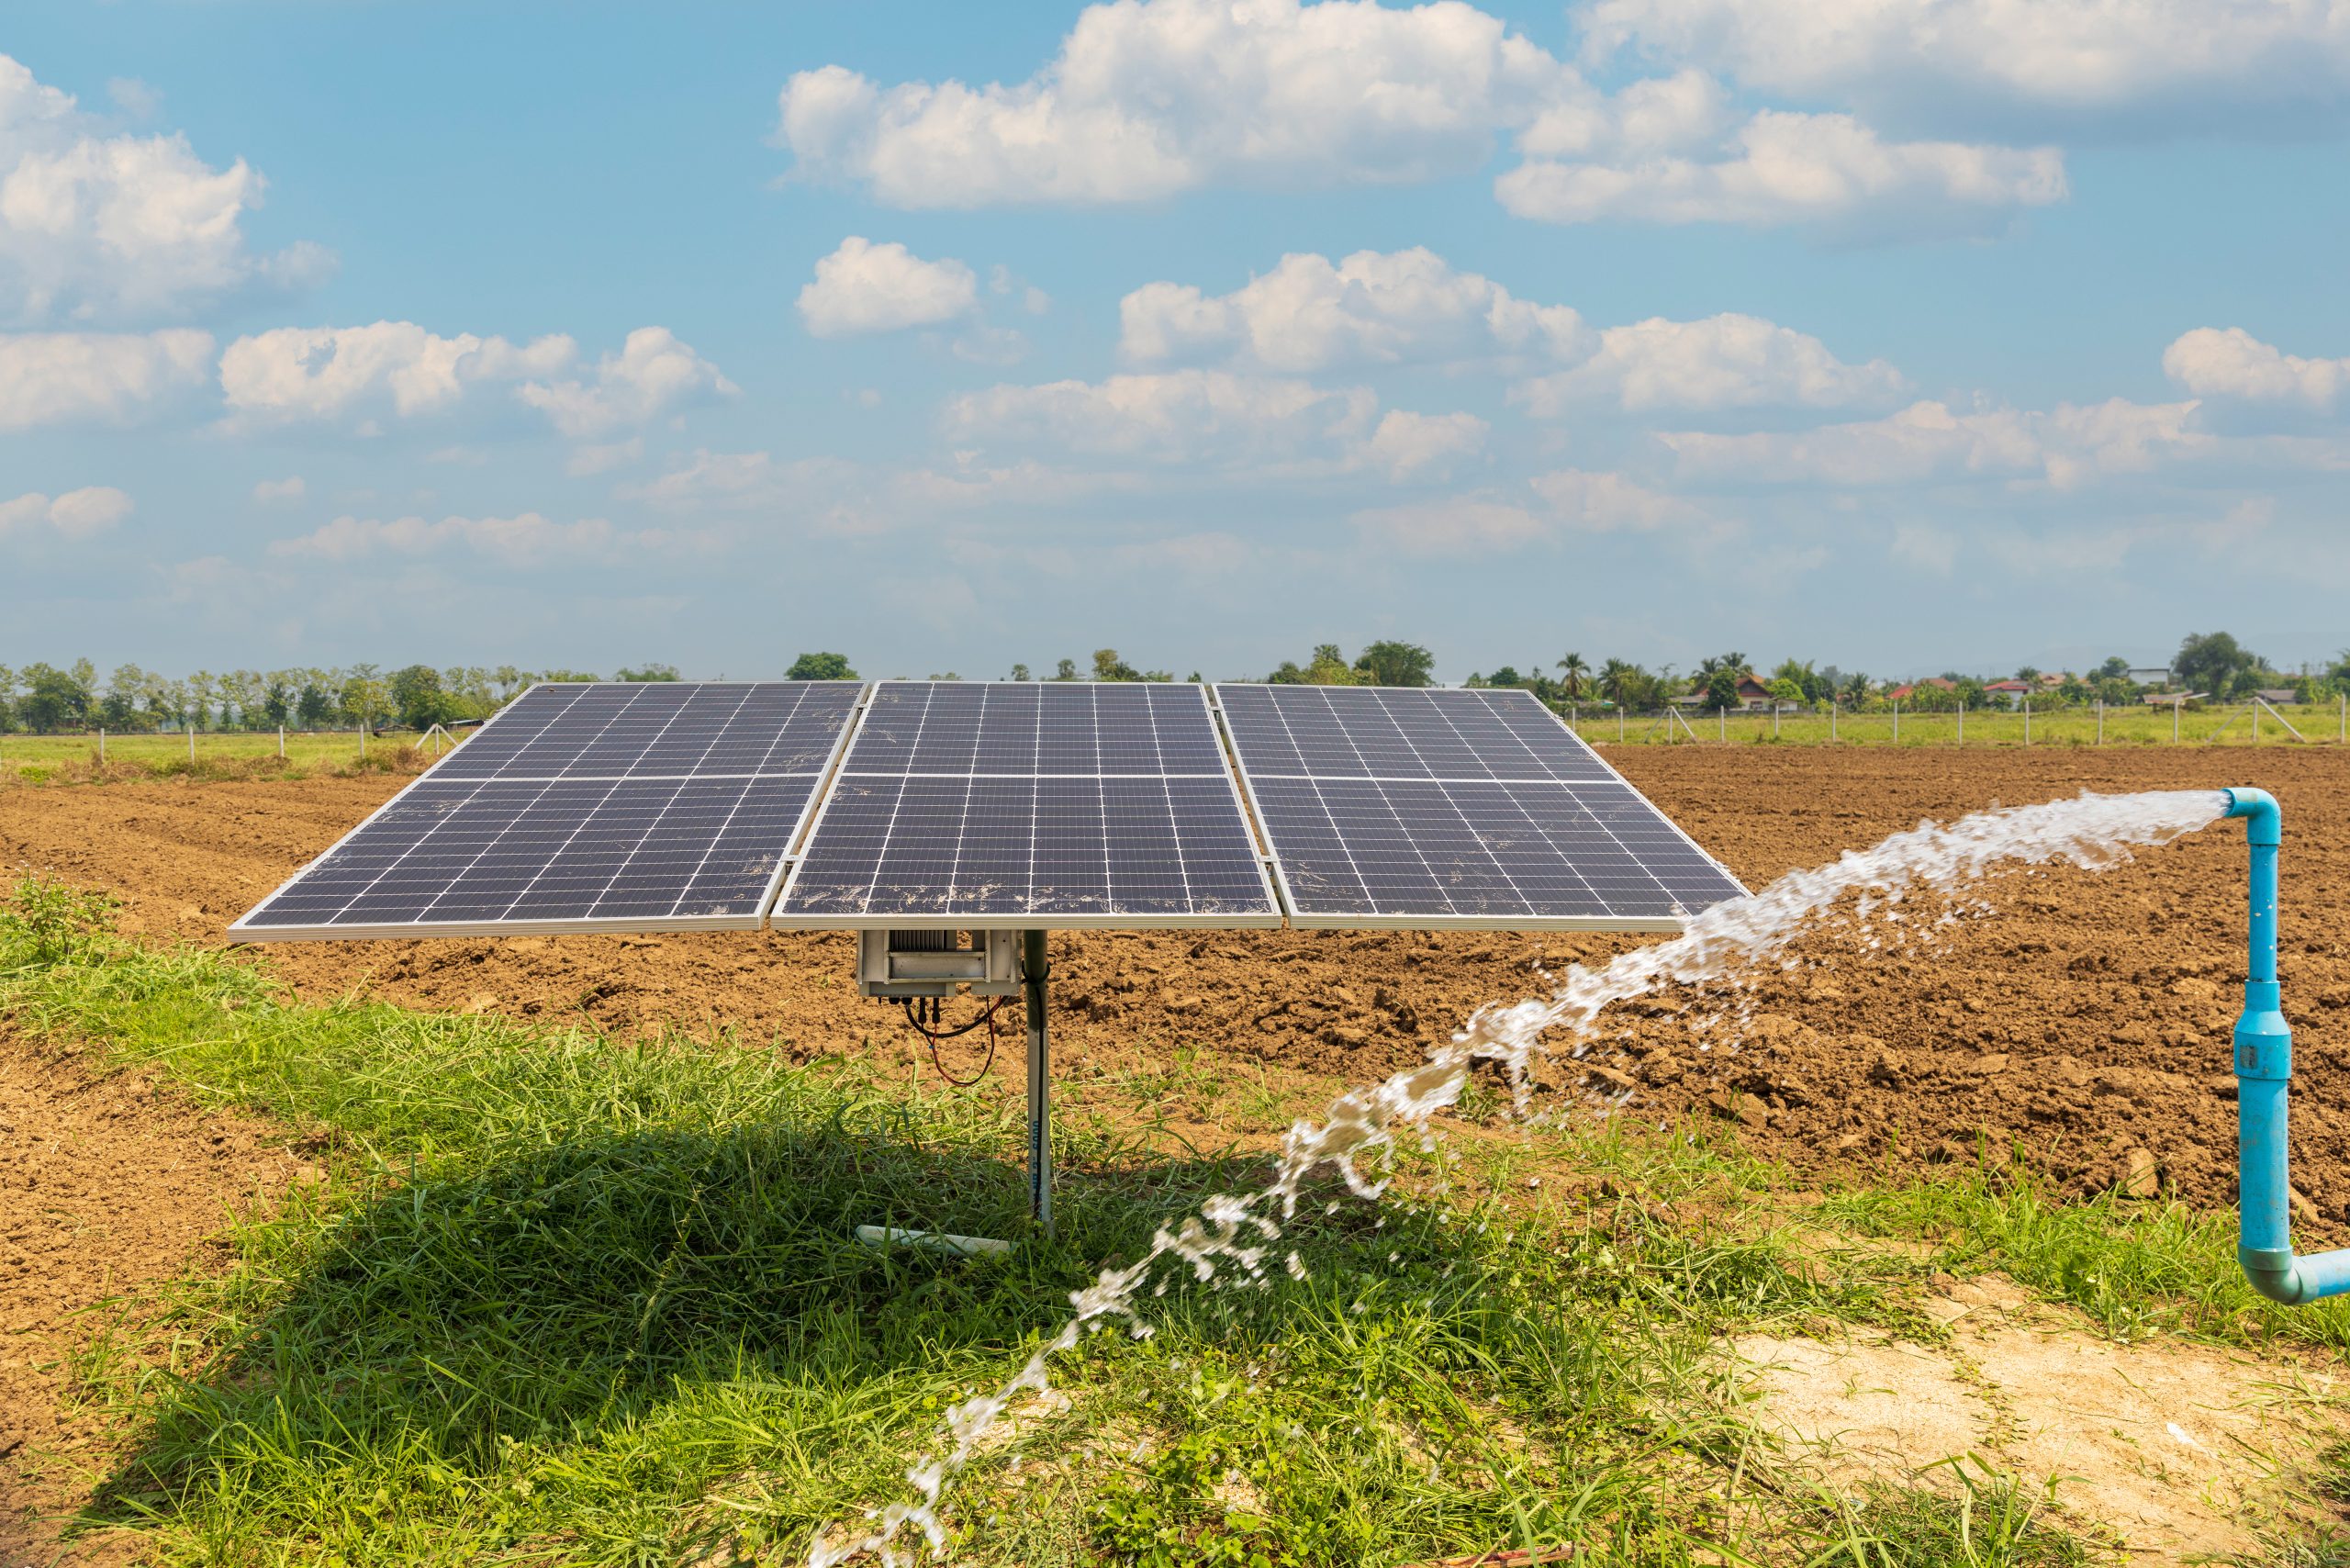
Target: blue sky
[{"x": 1904, "y": 335}]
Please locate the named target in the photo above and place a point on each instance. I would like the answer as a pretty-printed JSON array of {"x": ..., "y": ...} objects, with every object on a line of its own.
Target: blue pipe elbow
[{"x": 2263, "y": 1064}]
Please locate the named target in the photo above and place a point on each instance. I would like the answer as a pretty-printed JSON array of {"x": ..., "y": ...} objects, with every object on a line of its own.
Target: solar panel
[
  {"x": 605, "y": 806},
  {"x": 1423, "y": 807},
  {"x": 973, "y": 805}
]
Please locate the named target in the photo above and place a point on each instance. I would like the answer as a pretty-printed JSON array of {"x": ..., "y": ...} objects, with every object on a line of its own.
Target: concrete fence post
[
  {"x": 2100, "y": 720},
  {"x": 2026, "y": 721},
  {"x": 281, "y": 742},
  {"x": 191, "y": 742},
  {"x": 1897, "y": 723},
  {"x": 102, "y": 746},
  {"x": 1962, "y": 721},
  {"x": 1831, "y": 724},
  {"x": 2175, "y": 704}
]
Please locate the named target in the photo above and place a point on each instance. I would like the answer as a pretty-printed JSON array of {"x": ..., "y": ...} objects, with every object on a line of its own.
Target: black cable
[{"x": 929, "y": 1031}]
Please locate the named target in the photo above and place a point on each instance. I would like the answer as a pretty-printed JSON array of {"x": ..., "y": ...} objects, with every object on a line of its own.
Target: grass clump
[
  {"x": 562, "y": 1297},
  {"x": 2135, "y": 1266}
]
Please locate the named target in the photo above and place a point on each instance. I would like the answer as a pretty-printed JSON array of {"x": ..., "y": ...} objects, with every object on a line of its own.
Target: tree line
[{"x": 50, "y": 699}]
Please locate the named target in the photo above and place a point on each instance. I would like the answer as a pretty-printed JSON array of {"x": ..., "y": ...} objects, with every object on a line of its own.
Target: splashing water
[{"x": 2092, "y": 831}]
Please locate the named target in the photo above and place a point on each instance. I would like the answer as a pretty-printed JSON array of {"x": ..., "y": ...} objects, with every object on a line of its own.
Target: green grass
[
  {"x": 2222, "y": 724},
  {"x": 565, "y": 1298},
  {"x": 54, "y": 759},
  {"x": 2135, "y": 1267}
]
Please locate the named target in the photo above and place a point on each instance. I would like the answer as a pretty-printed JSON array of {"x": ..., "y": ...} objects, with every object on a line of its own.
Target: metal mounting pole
[{"x": 1040, "y": 1082}]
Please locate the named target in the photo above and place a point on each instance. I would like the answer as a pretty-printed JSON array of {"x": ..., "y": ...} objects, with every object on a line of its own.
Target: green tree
[
  {"x": 2213, "y": 662},
  {"x": 419, "y": 697},
  {"x": 2114, "y": 669},
  {"x": 1395, "y": 664},
  {"x": 669, "y": 672},
  {"x": 314, "y": 704},
  {"x": 814, "y": 666},
  {"x": 54, "y": 700},
  {"x": 1857, "y": 691},
  {"x": 1721, "y": 685},
  {"x": 1020, "y": 672},
  {"x": 1573, "y": 671}
]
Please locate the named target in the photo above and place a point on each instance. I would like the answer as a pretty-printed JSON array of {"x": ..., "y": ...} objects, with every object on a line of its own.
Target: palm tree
[
  {"x": 1616, "y": 680},
  {"x": 1575, "y": 669}
]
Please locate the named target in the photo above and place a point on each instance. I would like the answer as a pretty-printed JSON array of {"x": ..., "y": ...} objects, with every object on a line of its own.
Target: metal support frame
[{"x": 1033, "y": 973}]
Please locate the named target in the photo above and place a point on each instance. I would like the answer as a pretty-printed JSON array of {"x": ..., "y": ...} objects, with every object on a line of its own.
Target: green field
[
  {"x": 2318, "y": 724},
  {"x": 35, "y": 759}
]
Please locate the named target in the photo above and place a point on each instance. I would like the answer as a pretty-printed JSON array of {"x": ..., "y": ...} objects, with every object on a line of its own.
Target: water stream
[{"x": 1237, "y": 1234}]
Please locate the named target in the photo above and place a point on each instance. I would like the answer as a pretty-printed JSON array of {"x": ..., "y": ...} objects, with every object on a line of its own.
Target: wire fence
[
  {"x": 2253, "y": 723},
  {"x": 37, "y": 758}
]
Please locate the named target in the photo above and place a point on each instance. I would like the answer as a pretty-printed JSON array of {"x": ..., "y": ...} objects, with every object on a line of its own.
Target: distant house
[
  {"x": 1904, "y": 693},
  {"x": 2011, "y": 692},
  {"x": 1752, "y": 695},
  {"x": 2277, "y": 694},
  {"x": 2146, "y": 677},
  {"x": 2170, "y": 699}
]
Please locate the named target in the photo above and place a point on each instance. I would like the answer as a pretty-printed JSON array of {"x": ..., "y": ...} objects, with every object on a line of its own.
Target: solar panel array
[
  {"x": 954, "y": 805},
  {"x": 1434, "y": 807},
  {"x": 973, "y": 805},
  {"x": 602, "y": 807}
]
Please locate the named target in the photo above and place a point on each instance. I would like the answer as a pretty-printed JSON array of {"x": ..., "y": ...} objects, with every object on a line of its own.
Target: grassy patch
[
  {"x": 2133, "y": 1266},
  {"x": 561, "y": 1297}
]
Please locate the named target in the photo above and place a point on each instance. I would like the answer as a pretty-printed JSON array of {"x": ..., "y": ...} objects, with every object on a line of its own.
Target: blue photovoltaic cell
[
  {"x": 603, "y": 806},
  {"x": 1003, "y": 803},
  {"x": 1399, "y": 806}
]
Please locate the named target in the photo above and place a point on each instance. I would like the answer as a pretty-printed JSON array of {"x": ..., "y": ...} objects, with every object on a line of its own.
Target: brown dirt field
[
  {"x": 108, "y": 1188},
  {"x": 2086, "y": 1019}
]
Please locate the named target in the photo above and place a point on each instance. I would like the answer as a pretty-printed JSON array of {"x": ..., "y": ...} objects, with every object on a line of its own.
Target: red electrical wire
[{"x": 929, "y": 1031}]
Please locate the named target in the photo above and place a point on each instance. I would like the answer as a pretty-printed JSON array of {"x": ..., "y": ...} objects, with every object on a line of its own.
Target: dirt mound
[
  {"x": 2087, "y": 1018},
  {"x": 108, "y": 1187}
]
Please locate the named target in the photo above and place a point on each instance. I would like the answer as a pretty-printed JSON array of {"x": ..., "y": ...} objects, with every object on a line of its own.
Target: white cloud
[
  {"x": 825, "y": 495},
  {"x": 1927, "y": 442},
  {"x": 653, "y": 375},
  {"x": 2232, "y": 363},
  {"x": 864, "y": 288},
  {"x": 1217, "y": 418},
  {"x": 1406, "y": 446},
  {"x": 527, "y": 540},
  {"x": 76, "y": 514},
  {"x": 1156, "y": 97},
  {"x": 2070, "y": 55},
  {"x": 54, "y": 378},
  {"x": 1310, "y": 313},
  {"x": 1148, "y": 98},
  {"x": 1567, "y": 501},
  {"x": 1782, "y": 167},
  {"x": 292, "y": 489},
  {"x": 316, "y": 373},
  {"x": 319, "y": 373},
  {"x": 1722, "y": 362},
  {"x": 602, "y": 457},
  {"x": 93, "y": 225}
]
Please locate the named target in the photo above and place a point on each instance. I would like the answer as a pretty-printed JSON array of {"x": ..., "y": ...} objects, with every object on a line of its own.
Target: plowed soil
[{"x": 2086, "y": 1018}]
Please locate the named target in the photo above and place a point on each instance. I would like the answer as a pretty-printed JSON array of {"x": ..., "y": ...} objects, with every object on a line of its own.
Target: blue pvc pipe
[{"x": 2264, "y": 1060}]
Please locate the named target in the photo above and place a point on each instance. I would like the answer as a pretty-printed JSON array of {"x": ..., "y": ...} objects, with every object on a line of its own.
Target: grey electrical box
[{"x": 936, "y": 963}]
